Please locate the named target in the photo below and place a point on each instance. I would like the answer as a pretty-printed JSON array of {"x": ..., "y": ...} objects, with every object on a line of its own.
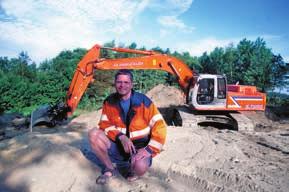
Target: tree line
[{"x": 24, "y": 85}]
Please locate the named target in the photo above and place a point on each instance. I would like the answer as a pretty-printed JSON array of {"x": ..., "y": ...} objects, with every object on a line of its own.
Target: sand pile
[
  {"x": 165, "y": 96},
  {"x": 193, "y": 159}
]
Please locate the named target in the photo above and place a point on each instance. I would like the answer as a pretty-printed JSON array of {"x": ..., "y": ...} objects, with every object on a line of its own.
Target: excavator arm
[
  {"x": 92, "y": 61},
  {"x": 83, "y": 75},
  {"x": 146, "y": 60}
]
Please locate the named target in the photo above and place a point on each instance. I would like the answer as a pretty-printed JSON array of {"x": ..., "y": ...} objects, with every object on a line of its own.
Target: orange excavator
[{"x": 208, "y": 97}]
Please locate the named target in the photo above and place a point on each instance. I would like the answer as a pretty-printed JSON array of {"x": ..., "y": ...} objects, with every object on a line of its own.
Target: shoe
[
  {"x": 132, "y": 177},
  {"x": 106, "y": 175}
]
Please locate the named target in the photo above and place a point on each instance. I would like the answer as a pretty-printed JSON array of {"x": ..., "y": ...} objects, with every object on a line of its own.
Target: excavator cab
[{"x": 209, "y": 92}]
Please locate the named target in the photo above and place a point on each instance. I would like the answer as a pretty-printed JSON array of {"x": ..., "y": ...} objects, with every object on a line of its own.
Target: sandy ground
[{"x": 193, "y": 159}]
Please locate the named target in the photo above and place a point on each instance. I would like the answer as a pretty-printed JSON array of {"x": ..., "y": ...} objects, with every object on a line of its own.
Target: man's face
[{"x": 123, "y": 85}]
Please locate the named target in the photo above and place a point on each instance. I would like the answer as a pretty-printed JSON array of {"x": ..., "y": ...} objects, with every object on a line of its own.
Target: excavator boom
[{"x": 148, "y": 60}]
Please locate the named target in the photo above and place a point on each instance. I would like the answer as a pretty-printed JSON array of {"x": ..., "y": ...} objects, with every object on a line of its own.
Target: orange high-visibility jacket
[{"x": 144, "y": 125}]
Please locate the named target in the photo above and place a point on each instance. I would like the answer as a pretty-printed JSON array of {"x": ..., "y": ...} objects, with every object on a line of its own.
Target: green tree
[
  {"x": 45, "y": 66},
  {"x": 229, "y": 67},
  {"x": 4, "y": 64},
  {"x": 217, "y": 60},
  {"x": 259, "y": 72},
  {"x": 108, "y": 53},
  {"x": 245, "y": 52},
  {"x": 207, "y": 66},
  {"x": 24, "y": 86},
  {"x": 279, "y": 69},
  {"x": 158, "y": 49},
  {"x": 167, "y": 51},
  {"x": 133, "y": 45}
]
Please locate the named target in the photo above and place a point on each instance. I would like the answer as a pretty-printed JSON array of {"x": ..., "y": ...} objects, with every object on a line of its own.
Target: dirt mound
[
  {"x": 12, "y": 124},
  {"x": 278, "y": 113},
  {"x": 165, "y": 96},
  {"x": 193, "y": 159}
]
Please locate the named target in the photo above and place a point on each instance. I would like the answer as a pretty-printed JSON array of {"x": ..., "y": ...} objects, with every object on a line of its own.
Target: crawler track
[{"x": 183, "y": 116}]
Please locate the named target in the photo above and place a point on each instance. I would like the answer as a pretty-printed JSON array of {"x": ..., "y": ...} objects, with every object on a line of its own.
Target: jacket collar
[{"x": 135, "y": 98}]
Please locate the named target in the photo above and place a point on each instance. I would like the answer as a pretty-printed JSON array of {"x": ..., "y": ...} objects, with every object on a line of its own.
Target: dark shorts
[
  {"x": 119, "y": 157},
  {"x": 115, "y": 153}
]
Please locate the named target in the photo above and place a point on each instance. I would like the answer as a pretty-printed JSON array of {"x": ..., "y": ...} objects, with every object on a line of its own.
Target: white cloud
[
  {"x": 89, "y": 12},
  {"x": 43, "y": 28},
  {"x": 171, "y": 10},
  {"x": 171, "y": 7},
  {"x": 164, "y": 33},
  {"x": 198, "y": 47},
  {"x": 174, "y": 22},
  {"x": 286, "y": 58}
]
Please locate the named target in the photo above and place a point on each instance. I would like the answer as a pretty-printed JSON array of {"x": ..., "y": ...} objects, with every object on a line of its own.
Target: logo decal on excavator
[
  {"x": 235, "y": 100},
  {"x": 137, "y": 63}
]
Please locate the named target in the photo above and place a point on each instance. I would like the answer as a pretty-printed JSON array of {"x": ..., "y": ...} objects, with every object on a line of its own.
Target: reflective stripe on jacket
[{"x": 145, "y": 124}]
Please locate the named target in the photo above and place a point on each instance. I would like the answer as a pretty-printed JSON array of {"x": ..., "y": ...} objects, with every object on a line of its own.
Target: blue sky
[{"x": 44, "y": 28}]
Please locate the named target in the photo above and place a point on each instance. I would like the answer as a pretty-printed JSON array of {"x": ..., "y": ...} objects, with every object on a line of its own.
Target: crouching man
[{"x": 131, "y": 131}]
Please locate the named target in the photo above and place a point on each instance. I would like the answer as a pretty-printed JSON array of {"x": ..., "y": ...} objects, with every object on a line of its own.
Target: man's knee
[
  {"x": 93, "y": 133},
  {"x": 95, "y": 136},
  {"x": 140, "y": 167}
]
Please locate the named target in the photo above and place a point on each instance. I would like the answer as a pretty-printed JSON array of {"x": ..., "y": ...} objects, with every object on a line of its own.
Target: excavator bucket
[
  {"x": 41, "y": 116},
  {"x": 49, "y": 115}
]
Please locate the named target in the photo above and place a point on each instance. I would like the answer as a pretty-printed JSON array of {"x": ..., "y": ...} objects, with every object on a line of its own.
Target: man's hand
[
  {"x": 141, "y": 154},
  {"x": 127, "y": 144}
]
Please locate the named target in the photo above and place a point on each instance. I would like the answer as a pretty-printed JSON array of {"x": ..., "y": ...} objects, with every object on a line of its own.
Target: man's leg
[
  {"x": 139, "y": 168},
  {"x": 100, "y": 145}
]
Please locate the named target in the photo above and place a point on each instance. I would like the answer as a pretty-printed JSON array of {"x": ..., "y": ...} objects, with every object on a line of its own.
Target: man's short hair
[{"x": 124, "y": 72}]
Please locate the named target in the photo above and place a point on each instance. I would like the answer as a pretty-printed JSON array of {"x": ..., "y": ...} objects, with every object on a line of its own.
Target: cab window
[
  {"x": 221, "y": 88},
  {"x": 205, "y": 91}
]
